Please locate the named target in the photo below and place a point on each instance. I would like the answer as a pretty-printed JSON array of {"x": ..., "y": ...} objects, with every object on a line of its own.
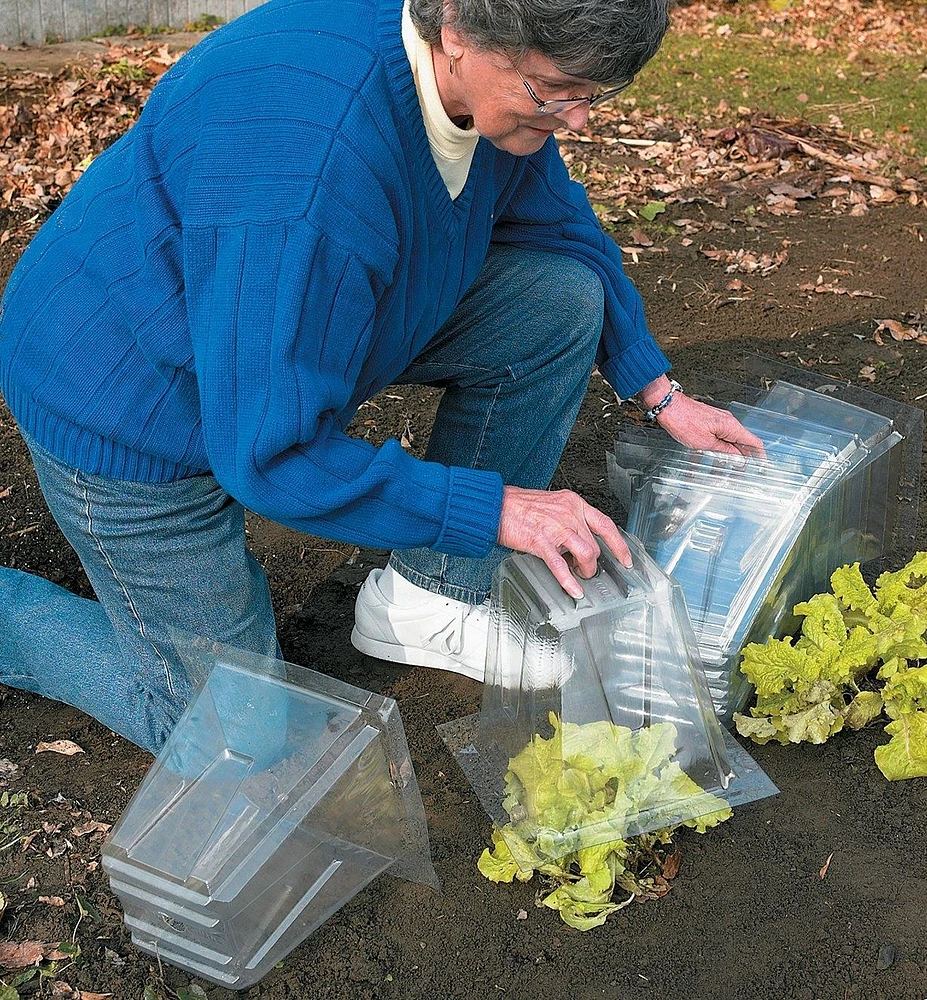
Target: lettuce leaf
[
  {"x": 808, "y": 688},
  {"x": 907, "y": 587},
  {"x": 498, "y": 863},
  {"x": 574, "y": 799},
  {"x": 866, "y": 707},
  {"x": 905, "y": 755},
  {"x": 905, "y": 691}
]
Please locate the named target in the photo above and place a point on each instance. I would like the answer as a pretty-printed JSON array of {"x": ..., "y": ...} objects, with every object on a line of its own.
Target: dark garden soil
[{"x": 756, "y": 910}]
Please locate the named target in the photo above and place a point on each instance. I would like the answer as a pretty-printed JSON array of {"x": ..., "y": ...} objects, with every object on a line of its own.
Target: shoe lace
[{"x": 449, "y": 639}]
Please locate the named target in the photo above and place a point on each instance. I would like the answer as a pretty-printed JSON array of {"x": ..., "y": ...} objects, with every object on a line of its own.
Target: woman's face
[{"x": 487, "y": 87}]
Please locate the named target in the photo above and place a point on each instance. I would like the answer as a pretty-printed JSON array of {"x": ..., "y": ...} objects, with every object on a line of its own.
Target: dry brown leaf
[
  {"x": 789, "y": 191},
  {"x": 898, "y": 331},
  {"x": 91, "y": 826},
  {"x": 58, "y": 848},
  {"x": 867, "y": 373},
  {"x": 640, "y": 238},
  {"x": 87, "y": 995},
  {"x": 22, "y": 954},
  {"x": 9, "y": 770},
  {"x": 672, "y": 864},
  {"x": 66, "y": 747},
  {"x": 820, "y": 287},
  {"x": 782, "y": 202},
  {"x": 27, "y": 842},
  {"x": 823, "y": 872},
  {"x": 51, "y": 900},
  {"x": 748, "y": 262},
  {"x": 881, "y": 195}
]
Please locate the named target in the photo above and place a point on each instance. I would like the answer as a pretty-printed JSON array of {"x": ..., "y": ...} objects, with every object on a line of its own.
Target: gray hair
[{"x": 603, "y": 40}]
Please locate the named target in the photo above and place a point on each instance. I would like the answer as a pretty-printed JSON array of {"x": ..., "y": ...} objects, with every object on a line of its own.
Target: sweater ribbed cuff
[
  {"x": 474, "y": 507},
  {"x": 628, "y": 372}
]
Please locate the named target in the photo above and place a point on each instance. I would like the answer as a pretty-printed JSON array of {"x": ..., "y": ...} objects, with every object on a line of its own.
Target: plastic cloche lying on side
[
  {"x": 596, "y": 723},
  {"x": 279, "y": 795}
]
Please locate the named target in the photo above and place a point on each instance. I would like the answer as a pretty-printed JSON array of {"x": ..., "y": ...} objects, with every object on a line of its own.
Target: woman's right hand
[{"x": 560, "y": 528}]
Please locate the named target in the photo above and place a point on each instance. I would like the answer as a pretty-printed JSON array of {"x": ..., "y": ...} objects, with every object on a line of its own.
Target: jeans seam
[
  {"x": 485, "y": 427},
  {"x": 98, "y": 542}
]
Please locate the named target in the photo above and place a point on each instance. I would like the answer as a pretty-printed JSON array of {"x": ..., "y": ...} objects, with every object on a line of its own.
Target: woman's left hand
[
  {"x": 706, "y": 428},
  {"x": 698, "y": 425}
]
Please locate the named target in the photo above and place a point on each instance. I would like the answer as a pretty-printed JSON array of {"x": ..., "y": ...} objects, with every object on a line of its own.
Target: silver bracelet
[{"x": 655, "y": 411}]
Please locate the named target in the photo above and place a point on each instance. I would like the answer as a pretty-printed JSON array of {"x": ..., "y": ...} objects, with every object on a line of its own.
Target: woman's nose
[{"x": 576, "y": 118}]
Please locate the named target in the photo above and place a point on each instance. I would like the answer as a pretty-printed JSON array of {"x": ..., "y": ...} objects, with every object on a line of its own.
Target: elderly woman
[{"x": 317, "y": 201}]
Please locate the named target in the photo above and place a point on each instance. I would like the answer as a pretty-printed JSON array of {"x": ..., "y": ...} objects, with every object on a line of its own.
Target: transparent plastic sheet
[
  {"x": 747, "y": 543},
  {"x": 900, "y": 470},
  {"x": 483, "y": 761},
  {"x": 237, "y": 846},
  {"x": 614, "y": 677},
  {"x": 743, "y": 560},
  {"x": 720, "y": 532}
]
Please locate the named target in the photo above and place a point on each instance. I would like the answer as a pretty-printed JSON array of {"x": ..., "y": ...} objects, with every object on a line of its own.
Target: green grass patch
[
  {"x": 135, "y": 30},
  {"x": 125, "y": 70},
  {"x": 876, "y": 91},
  {"x": 205, "y": 22}
]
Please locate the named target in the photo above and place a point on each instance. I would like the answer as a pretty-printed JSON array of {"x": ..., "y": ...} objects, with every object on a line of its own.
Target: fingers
[
  {"x": 558, "y": 565},
  {"x": 718, "y": 445},
  {"x": 577, "y": 555},
  {"x": 561, "y": 529},
  {"x": 607, "y": 530},
  {"x": 707, "y": 428},
  {"x": 730, "y": 431},
  {"x": 750, "y": 445}
]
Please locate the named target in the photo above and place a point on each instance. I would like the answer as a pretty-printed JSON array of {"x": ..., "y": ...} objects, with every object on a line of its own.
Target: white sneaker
[{"x": 396, "y": 620}]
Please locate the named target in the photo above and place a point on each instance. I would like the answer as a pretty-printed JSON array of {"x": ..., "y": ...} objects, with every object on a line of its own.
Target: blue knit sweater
[{"x": 267, "y": 247}]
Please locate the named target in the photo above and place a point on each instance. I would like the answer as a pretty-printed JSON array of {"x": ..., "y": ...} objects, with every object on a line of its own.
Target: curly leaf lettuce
[
  {"x": 575, "y": 799},
  {"x": 808, "y": 689},
  {"x": 866, "y": 707},
  {"x": 905, "y": 755},
  {"x": 908, "y": 586},
  {"x": 905, "y": 691}
]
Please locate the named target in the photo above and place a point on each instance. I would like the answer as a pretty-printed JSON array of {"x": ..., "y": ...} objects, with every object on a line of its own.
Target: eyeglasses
[{"x": 558, "y": 107}]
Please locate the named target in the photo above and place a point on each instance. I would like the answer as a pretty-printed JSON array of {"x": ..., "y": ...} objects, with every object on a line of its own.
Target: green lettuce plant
[
  {"x": 575, "y": 801},
  {"x": 857, "y": 655}
]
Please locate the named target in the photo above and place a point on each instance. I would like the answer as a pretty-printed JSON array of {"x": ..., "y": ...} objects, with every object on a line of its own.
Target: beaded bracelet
[{"x": 655, "y": 411}]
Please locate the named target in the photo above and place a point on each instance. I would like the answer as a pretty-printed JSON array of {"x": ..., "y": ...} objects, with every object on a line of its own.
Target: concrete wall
[{"x": 35, "y": 21}]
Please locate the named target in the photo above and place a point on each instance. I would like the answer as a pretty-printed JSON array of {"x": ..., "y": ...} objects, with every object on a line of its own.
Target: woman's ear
[{"x": 452, "y": 41}]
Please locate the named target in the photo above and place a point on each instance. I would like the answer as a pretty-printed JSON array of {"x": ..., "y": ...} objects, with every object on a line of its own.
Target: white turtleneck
[{"x": 451, "y": 147}]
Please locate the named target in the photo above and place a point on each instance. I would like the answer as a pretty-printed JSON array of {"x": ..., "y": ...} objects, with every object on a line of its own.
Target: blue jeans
[
  {"x": 161, "y": 558},
  {"x": 515, "y": 360}
]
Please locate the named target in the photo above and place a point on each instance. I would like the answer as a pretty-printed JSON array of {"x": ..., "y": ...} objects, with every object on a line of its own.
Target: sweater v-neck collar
[{"x": 402, "y": 85}]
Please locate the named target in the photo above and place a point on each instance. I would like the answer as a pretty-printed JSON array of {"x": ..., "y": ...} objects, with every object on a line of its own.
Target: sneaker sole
[{"x": 411, "y": 657}]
